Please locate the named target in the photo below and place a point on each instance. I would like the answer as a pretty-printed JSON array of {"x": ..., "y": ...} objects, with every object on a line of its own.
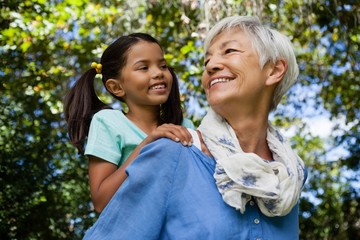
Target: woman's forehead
[{"x": 229, "y": 37}]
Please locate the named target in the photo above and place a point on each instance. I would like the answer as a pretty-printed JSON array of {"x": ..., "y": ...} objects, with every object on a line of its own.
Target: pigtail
[
  {"x": 80, "y": 104},
  {"x": 171, "y": 110}
]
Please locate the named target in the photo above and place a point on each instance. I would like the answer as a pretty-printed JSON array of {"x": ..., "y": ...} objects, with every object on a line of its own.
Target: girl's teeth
[{"x": 158, "y": 87}]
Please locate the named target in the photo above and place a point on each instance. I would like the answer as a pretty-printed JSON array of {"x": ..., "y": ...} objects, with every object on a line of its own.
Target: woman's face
[{"x": 232, "y": 74}]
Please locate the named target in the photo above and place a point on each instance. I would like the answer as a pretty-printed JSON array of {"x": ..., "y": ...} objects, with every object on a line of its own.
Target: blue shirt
[{"x": 170, "y": 193}]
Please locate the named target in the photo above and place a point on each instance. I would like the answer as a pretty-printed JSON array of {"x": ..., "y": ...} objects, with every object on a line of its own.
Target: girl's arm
[{"x": 105, "y": 178}]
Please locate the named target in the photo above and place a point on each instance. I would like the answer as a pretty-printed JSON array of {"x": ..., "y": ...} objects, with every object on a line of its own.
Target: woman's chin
[{"x": 216, "y": 100}]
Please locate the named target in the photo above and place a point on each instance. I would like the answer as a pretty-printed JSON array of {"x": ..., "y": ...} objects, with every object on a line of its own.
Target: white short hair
[{"x": 269, "y": 44}]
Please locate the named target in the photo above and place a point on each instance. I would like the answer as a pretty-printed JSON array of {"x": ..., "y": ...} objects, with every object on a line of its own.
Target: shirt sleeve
[
  {"x": 103, "y": 141},
  {"x": 188, "y": 123},
  {"x": 138, "y": 208}
]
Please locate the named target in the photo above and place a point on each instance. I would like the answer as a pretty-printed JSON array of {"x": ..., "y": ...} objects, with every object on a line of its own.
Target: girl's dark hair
[{"x": 81, "y": 102}]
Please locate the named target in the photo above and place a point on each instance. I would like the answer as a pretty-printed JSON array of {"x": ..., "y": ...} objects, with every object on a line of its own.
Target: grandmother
[{"x": 242, "y": 180}]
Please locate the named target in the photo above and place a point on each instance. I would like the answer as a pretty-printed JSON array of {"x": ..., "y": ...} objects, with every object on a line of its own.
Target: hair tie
[{"x": 96, "y": 66}]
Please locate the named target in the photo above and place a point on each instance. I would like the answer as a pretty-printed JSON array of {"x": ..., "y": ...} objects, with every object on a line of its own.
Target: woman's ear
[
  {"x": 114, "y": 86},
  {"x": 277, "y": 73}
]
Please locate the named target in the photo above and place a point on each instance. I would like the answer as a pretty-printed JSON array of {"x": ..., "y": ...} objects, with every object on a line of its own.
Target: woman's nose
[{"x": 213, "y": 64}]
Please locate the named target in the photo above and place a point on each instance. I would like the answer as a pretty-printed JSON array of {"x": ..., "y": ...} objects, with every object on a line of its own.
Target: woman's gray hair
[{"x": 270, "y": 45}]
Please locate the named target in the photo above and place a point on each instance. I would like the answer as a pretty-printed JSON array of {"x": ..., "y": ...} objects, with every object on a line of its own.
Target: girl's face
[{"x": 145, "y": 79}]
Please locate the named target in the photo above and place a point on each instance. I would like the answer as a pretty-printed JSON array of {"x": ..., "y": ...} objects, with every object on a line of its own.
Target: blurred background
[{"x": 45, "y": 45}]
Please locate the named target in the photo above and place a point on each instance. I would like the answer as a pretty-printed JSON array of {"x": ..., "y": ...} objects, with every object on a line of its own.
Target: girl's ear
[
  {"x": 114, "y": 86},
  {"x": 277, "y": 73}
]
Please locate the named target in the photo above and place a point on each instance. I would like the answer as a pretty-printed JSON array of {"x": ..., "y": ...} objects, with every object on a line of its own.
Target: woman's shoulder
[
  {"x": 168, "y": 150},
  {"x": 165, "y": 149},
  {"x": 161, "y": 154},
  {"x": 163, "y": 145}
]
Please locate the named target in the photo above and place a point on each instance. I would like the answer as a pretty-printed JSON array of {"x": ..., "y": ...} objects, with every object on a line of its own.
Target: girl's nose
[{"x": 157, "y": 72}]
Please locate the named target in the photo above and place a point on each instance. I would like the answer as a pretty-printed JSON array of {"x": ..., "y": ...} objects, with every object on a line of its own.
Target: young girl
[{"x": 133, "y": 71}]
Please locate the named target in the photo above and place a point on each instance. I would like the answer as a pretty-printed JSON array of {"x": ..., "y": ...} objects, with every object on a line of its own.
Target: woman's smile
[{"x": 219, "y": 80}]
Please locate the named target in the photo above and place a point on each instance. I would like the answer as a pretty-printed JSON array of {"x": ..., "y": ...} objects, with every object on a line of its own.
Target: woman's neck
[
  {"x": 251, "y": 131},
  {"x": 252, "y": 138}
]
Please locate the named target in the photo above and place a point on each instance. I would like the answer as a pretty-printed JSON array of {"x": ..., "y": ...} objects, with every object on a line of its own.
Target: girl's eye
[
  {"x": 164, "y": 67},
  {"x": 143, "y": 68}
]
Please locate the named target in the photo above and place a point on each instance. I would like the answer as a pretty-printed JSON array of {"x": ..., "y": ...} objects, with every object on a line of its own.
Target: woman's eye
[
  {"x": 143, "y": 68},
  {"x": 230, "y": 50},
  {"x": 206, "y": 62}
]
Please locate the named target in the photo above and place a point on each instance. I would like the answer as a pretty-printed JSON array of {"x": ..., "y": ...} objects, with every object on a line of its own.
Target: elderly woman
[{"x": 245, "y": 181}]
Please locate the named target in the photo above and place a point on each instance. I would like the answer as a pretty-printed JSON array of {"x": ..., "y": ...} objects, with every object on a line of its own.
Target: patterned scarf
[{"x": 274, "y": 185}]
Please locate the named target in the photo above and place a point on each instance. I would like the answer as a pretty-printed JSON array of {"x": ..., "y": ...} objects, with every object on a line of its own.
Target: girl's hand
[{"x": 174, "y": 132}]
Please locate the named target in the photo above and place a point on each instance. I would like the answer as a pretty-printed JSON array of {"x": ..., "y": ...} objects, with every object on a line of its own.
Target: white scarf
[{"x": 274, "y": 185}]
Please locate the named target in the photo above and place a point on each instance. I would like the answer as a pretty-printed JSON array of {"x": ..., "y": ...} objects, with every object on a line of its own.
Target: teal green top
[{"x": 113, "y": 137}]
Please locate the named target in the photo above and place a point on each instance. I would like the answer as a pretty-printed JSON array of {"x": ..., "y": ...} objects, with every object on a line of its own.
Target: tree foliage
[{"x": 45, "y": 45}]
